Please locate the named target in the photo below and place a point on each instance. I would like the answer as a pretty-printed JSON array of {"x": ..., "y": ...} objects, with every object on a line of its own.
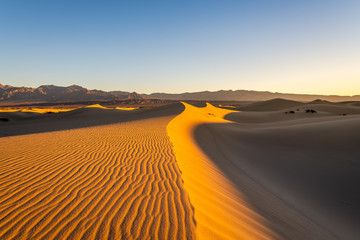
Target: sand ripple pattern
[{"x": 117, "y": 181}]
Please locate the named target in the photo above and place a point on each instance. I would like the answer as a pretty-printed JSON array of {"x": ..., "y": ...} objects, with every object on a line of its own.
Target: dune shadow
[{"x": 302, "y": 180}]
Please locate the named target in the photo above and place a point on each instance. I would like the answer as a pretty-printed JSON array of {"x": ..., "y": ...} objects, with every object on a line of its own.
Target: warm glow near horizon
[{"x": 306, "y": 47}]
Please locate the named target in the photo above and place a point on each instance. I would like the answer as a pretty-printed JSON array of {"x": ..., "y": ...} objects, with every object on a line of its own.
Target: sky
[{"x": 183, "y": 46}]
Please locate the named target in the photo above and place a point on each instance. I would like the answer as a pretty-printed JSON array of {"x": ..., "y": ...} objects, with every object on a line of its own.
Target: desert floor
[{"x": 267, "y": 170}]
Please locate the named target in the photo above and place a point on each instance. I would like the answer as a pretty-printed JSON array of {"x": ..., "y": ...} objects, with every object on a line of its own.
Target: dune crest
[
  {"x": 37, "y": 110},
  {"x": 95, "y": 106},
  {"x": 221, "y": 212},
  {"x": 126, "y": 108}
]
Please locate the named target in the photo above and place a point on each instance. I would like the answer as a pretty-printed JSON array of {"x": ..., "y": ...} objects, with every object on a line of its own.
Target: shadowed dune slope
[
  {"x": 299, "y": 113},
  {"x": 270, "y": 105},
  {"x": 302, "y": 175},
  {"x": 221, "y": 211},
  {"x": 335, "y": 109},
  {"x": 118, "y": 181}
]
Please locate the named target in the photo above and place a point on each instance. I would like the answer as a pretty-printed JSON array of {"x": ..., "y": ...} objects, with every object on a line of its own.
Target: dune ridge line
[{"x": 221, "y": 212}]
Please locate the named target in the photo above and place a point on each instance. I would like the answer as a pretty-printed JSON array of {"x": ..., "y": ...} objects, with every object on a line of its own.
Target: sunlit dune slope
[
  {"x": 118, "y": 108},
  {"x": 118, "y": 181},
  {"x": 56, "y": 109},
  {"x": 95, "y": 106},
  {"x": 126, "y": 108},
  {"x": 221, "y": 211},
  {"x": 36, "y": 110}
]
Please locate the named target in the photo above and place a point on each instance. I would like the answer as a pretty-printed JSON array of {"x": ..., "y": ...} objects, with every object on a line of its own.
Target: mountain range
[
  {"x": 246, "y": 95},
  {"x": 52, "y": 93}
]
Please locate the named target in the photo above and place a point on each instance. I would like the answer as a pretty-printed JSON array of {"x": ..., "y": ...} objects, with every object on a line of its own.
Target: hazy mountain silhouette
[
  {"x": 52, "y": 93},
  {"x": 245, "y": 95}
]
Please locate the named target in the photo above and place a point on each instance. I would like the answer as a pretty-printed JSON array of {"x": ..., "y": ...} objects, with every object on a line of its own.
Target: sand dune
[
  {"x": 36, "y": 110},
  {"x": 104, "y": 182},
  {"x": 221, "y": 211},
  {"x": 282, "y": 105},
  {"x": 323, "y": 109},
  {"x": 182, "y": 172},
  {"x": 270, "y": 105},
  {"x": 95, "y": 106},
  {"x": 27, "y": 123},
  {"x": 127, "y": 108},
  {"x": 336, "y": 109},
  {"x": 302, "y": 175}
]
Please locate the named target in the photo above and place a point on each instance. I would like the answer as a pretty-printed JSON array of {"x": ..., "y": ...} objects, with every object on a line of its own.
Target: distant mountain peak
[
  {"x": 135, "y": 95},
  {"x": 74, "y": 86},
  {"x": 5, "y": 86}
]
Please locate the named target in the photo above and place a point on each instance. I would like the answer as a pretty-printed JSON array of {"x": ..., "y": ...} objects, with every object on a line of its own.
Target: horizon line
[{"x": 164, "y": 92}]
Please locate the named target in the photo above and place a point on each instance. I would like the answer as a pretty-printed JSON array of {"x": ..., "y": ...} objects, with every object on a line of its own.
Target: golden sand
[
  {"x": 95, "y": 106},
  {"x": 166, "y": 174},
  {"x": 127, "y": 108},
  {"x": 57, "y": 109},
  {"x": 37, "y": 110},
  {"x": 118, "y": 108},
  {"x": 107, "y": 182}
]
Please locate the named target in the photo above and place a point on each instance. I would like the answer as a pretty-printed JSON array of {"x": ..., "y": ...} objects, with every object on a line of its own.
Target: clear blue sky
[{"x": 176, "y": 46}]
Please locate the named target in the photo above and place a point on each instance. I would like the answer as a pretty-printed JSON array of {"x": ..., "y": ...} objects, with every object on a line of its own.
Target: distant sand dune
[
  {"x": 26, "y": 123},
  {"x": 127, "y": 108},
  {"x": 95, "y": 106},
  {"x": 36, "y": 110},
  {"x": 276, "y": 110},
  {"x": 103, "y": 182},
  {"x": 270, "y": 105}
]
